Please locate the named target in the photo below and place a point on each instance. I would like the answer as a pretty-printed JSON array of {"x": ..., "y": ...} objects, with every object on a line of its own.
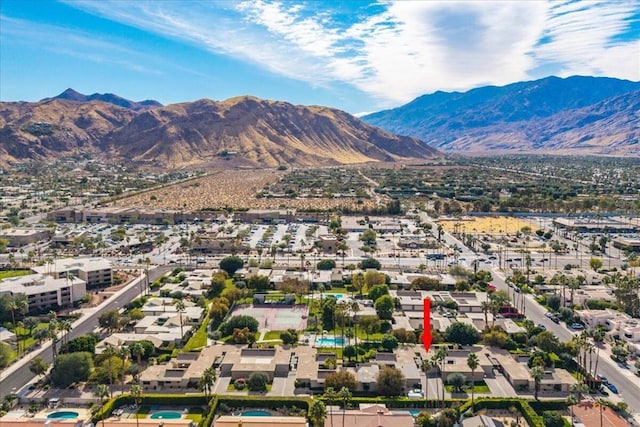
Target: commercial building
[
  {"x": 44, "y": 292},
  {"x": 18, "y": 237},
  {"x": 628, "y": 243},
  {"x": 594, "y": 225}
]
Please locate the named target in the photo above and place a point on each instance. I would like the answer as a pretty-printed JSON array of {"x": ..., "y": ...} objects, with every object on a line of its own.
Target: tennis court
[{"x": 276, "y": 318}]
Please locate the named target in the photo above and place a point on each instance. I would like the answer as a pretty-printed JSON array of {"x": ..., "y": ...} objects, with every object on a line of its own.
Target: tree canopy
[
  {"x": 462, "y": 333},
  {"x": 239, "y": 322},
  {"x": 70, "y": 368},
  {"x": 231, "y": 264},
  {"x": 384, "y": 307},
  {"x": 390, "y": 382}
]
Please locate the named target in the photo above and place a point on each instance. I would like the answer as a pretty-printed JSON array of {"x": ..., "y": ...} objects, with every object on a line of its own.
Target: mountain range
[
  {"x": 581, "y": 115},
  {"x": 576, "y": 115},
  {"x": 72, "y": 95},
  {"x": 243, "y": 131}
]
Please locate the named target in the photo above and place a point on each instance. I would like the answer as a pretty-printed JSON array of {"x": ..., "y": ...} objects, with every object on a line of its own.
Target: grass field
[
  {"x": 195, "y": 414},
  {"x": 272, "y": 335},
  {"x": 487, "y": 225},
  {"x": 199, "y": 339},
  {"x": 480, "y": 387}
]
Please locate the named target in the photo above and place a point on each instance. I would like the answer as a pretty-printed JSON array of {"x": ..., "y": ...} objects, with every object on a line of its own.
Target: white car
[{"x": 415, "y": 394}]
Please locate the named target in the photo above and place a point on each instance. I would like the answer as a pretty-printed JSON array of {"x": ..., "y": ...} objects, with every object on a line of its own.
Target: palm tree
[
  {"x": 124, "y": 353},
  {"x": 578, "y": 389},
  {"x": 109, "y": 352},
  {"x": 427, "y": 365},
  {"x": 103, "y": 393},
  {"x": 441, "y": 356},
  {"x": 207, "y": 381},
  {"x": 345, "y": 396},
  {"x": 537, "y": 373},
  {"x": 472, "y": 363},
  {"x": 317, "y": 413},
  {"x": 355, "y": 308},
  {"x": 180, "y": 307},
  {"x": 603, "y": 406},
  {"x": 65, "y": 327},
  {"x": 137, "y": 350},
  {"x": 331, "y": 396},
  {"x": 341, "y": 310},
  {"x": 486, "y": 307},
  {"x": 53, "y": 334},
  {"x": 19, "y": 304},
  {"x": 19, "y": 335},
  {"x": 136, "y": 394}
]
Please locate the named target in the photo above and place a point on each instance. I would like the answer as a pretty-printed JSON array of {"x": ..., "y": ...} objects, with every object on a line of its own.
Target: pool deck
[{"x": 20, "y": 418}]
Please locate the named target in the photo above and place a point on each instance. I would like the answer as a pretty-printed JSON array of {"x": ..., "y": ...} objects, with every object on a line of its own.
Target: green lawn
[
  {"x": 195, "y": 414},
  {"x": 26, "y": 340},
  {"x": 272, "y": 335},
  {"x": 480, "y": 387},
  {"x": 199, "y": 339},
  {"x": 231, "y": 387},
  {"x": 143, "y": 412},
  {"x": 13, "y": 273}
]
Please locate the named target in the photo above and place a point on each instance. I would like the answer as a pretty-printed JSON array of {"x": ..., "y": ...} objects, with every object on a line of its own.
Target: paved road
[
  {"x": 16, "y": 376},
  {"x": 627, "y": 383}
]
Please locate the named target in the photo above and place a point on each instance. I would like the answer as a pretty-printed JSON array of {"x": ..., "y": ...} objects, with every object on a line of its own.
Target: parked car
[
  {"x": 577, "y": 326},
  {"x": 612, "y": 387},
  {"x": 415, "y": 394},
  {"x": 603, "y": 379},
  {"x": 541, "y": 326}
]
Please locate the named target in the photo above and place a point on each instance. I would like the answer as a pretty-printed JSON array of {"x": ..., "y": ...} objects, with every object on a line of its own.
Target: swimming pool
[
  {"x": 256, "y": 414},
  {"x": 338, "y": 296},
  {"x": 63, "y": 415},
  {"x": 329, "y": 342},
  {"x": 166, "y": 415}
]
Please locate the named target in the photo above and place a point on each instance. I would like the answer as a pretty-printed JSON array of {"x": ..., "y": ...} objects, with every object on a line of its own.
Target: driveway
[{"x": 499, "y": 386}]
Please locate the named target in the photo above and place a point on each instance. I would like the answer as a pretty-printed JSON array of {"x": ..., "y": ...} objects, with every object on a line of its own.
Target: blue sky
[{"x": 359, "y": 56}]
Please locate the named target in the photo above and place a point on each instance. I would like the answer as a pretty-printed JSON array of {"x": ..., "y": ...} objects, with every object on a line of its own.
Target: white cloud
[
  {"x": 581, "y": 39},
  {"x": 404, "y": 48}
]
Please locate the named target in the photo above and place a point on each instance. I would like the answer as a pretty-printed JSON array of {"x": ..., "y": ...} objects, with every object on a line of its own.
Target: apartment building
[
  {"x": 96, "y": 272},
  {"x": 44, "y": 292}
]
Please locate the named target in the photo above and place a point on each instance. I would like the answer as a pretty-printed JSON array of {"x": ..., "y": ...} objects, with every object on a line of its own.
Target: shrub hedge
[{"x": 265, "y": 402}]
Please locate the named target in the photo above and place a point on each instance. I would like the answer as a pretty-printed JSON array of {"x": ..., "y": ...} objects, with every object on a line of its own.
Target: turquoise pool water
[
  {"x": 256, "y": 414},
  {"x": 329, "y": 342},
  {"x": 414, "y": 412},
  {"x": 338, "y": 296},
  {"x": 166, "y": 415},
  {"x": 63, "y": 415}
]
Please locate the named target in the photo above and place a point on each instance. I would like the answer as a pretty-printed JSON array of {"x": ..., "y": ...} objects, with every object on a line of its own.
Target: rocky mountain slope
[
  {"x": 582, "y": 115},
  {"x": 243, "y": 130}
]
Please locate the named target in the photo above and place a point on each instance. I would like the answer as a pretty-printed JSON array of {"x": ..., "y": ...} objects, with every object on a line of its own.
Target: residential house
[{"x": 372, "y": 415}]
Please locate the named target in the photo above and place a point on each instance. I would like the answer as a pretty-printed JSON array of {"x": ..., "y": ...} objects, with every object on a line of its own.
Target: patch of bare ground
[{"x": 235, "y": 189}]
